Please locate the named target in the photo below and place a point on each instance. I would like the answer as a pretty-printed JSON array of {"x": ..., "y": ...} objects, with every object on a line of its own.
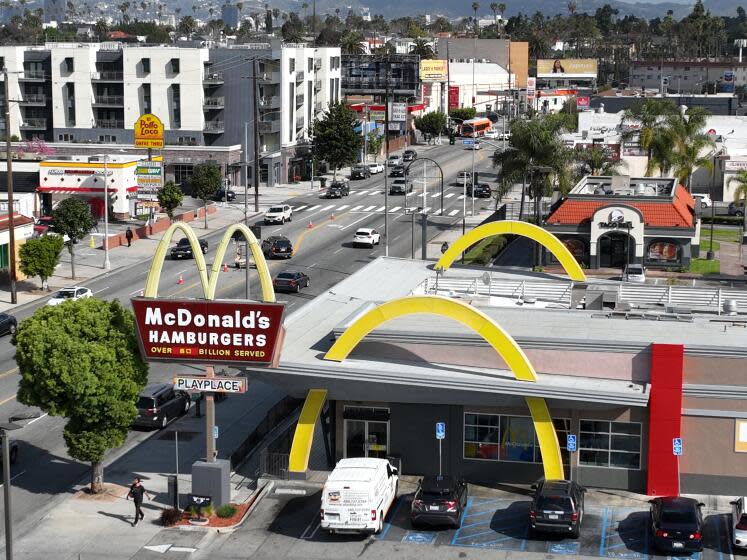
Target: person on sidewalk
[
  {"x": 137, "y": 491},
  {"x": 128, "y": 235}
]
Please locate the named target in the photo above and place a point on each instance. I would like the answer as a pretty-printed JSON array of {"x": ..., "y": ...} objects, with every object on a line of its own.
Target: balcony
[
  {"x": 299, "y": 98},
  {"x": 269, "y": 78},
  {"x": 32, "y": 76},
  {"x": 213, "y": 79},
  {"x": 300, "y": 76},
  {"x": 299, "y": 120},
  {"x": 214, "y": 127},
  {"x": 108, "y": 101},
  {"x": 317, "y": 64},
  {"x": 34, "y": 124},
  {"x": 268, "y": 127},
  {"x": 109, "y": 123},
  {"x": 318, "y": 106},
  {"x": 317, "y": 85},
  {"x": 107, "y": 76},
  {"x": 214, "y": 103},
  {"x": 269, "y": 102},
  {"x": 33, "y": 99}
]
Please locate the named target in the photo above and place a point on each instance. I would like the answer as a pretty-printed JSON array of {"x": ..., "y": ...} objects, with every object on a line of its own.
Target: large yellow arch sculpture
[
  {"x": 483, "y": 325},
  {"x": 210, "y": 283},
  {"x": 525, "y": 229}
]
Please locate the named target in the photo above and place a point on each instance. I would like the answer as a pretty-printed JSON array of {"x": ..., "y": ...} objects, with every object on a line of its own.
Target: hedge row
[
  {"x": 728, "y": 220},
  {"x": 485, "y": 251}
]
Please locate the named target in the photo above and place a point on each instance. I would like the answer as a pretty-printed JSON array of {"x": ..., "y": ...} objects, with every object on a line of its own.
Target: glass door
[
  {"x": 377, "y": 437},
  {"x": 366, "y": 438},
  {"x": 355, "y": 438}
]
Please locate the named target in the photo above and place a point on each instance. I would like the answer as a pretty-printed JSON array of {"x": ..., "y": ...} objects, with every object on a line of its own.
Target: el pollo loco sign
[
  {"x": 204, "y": 331},
  {"x": 148, "y": 132}
]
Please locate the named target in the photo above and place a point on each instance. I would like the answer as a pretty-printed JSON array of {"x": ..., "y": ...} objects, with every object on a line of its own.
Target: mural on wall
[{"x": 661, "y": 251}]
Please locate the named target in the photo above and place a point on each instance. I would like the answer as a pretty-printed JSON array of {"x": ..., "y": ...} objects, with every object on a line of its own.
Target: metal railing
[
  {"x": 109, "y": 123},
  {"x": 300, "y": 76},
  {"x": 34, "y": 123},
  {"x": 317, "y": 64},
  {"x": 107, "y": 76},
  {"x": 213, "y": 78},
  {"x": 269, "y": 126},
  {"x": 32, "y": 75},
  {"x": 299, "y": 120},
  {"x": 269, "y": 102},
  {"x": 108, "y": 100},
  {"x": 299, "y": 98},
  {"x": 214, "y": 102},
  {"x": 317, "y": 85},
  {"x": 555, "y": 292},
  {"x": 34, "y": 99},
  {"x": 214, "y": 126},
  {"x": 274, "y": 465}
]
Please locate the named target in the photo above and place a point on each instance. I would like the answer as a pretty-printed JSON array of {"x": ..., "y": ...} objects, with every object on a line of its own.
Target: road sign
[
  {"x": 570, "y": 443},
  {"x": 677, "y": 446},
  {"x": 440, "y": 430},
  {"x": 466, "y": 142},
  {"x": 216, "y": 432}
]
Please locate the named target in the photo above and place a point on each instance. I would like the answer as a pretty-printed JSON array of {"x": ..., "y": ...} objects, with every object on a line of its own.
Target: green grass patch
[
  {"x": 704, "y": 266},
  {"x": 722, "y": 234},
  {"x": 486, "y": 250},
  {"x": 705, "y": 245}
]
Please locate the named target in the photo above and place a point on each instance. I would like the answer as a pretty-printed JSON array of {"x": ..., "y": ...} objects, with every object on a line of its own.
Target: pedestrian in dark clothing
[
  {"x": 128, "y": 235},
  {"x": 137, "y": 491}
]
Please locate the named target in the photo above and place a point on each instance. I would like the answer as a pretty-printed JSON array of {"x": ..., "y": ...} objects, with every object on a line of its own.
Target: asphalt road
[{"x": 321, "y": 233}]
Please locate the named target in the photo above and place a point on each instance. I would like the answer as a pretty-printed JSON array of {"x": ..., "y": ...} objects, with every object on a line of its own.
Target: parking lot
[{"x": 489, "y": 524}]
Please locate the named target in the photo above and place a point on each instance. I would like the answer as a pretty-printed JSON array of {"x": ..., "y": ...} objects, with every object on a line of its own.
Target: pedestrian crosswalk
[{"x": 321, "y": 209}]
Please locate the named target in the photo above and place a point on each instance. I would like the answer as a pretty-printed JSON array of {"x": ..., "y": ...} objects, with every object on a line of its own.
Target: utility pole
[
  {"x": 107, "y": 263},
  {"x": 9, "y": 176},
  {"x": 256, "y": 139},
  {"x": 246, "y": 203},
  {"x": 386, "y": 169},
  {"x": 448, "y": 83}
]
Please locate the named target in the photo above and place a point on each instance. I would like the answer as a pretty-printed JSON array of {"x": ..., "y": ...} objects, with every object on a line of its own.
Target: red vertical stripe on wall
[{"x": 664, "y": 414}]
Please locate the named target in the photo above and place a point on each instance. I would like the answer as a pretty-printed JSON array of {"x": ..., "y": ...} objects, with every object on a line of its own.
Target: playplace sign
[
  {"x": 210, "y": 384},
  {"x": 208, "y": 332}
]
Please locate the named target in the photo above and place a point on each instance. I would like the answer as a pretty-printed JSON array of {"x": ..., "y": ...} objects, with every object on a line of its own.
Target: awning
[{"x": 419, "y": 107}]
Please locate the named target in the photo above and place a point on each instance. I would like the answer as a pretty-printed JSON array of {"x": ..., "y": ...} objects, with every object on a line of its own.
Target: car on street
[
  {"x": 360, "y": 172},
  {"x": 394, "y": 160},
  {"x": 338, "y": 189},
  {"x": 739, "y": 522},
  {"x": 159, "y": 403},
  {"x": 375, "y": 168},
  {"x": 8, "y": 324},
  {"x": 736, "y": 208},
  {"x": 73, "y": 293},
  {"x": 438, "y": 500},
  {"x": 491, "y": 133},
  {"x": 634, "y": 273},
  {"x": 397, "y": 171},
  {"x": 400, "y": 186},
  {"x": 366, "y": 237},
  {"x": 704, "y": 199},
  {"x": 278, "y": 214},
  {"x": 290, "y": 281},
  {"x": 677, "y": 524},
  {"x": 13, "y": 451},
  {"x": 557, "y": 507},
  {"x": 224, "y": 195},
  {"x": 277, "y": 246},
  {"x": 464, "y": 177},
  {"x": 476, "y": 145},
  {"x": 409, "y": 155},
  {"x": 183, "y": 249},
  {"x": 482, "y": 190}
]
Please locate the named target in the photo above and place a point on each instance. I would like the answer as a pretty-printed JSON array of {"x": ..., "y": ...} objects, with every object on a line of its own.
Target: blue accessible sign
[
  {"x": 570, "y": 443},
  {"x": 677, "y": 446},
  {"x": 440, "y": 430}
]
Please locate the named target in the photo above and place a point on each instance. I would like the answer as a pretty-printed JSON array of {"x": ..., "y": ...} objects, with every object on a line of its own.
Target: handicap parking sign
[
  {"x": 570, "y": 444},
  {"x": 677, "y": 446},
  {"x": 440, "y": 430}
]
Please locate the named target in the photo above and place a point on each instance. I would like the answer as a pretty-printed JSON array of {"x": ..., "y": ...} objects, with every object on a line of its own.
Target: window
[
  {"x": 107, "y": 138},
  {"x": 610, "y": 444},
  {"x": 291, "y": 117},
  {"x": 146, "y": 98},
  {"x": 182, "y": 174},
  {"x": 69, "y": 64},
  {"x": 176, "y": 110},
  {"x": 310, "y": 64},
  {"x": 70, "y": 104},
  {"x": 292, "y": 64},
  {"x": 174, "y": 64},
  {"x": 145, "y": 63}
]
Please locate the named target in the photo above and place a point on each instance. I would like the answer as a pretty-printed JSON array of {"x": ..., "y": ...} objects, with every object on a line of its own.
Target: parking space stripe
[
  {"x": 388, "y": 524},
  {"x": 466, "y": 511},
  {"x": 603, "y": 539}
]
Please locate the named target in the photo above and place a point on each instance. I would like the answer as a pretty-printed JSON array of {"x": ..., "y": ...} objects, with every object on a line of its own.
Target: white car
[
  {"x": 375, "y": 168},
  {"x": 70, "y": 294},
  {"x": 279, "y": 214},
  {"x": 491, "y": 133},
  {"x": 394, "y": 160},
  {"x": 739, "y": 522},
  {"x": 366, "y": 236},
  {"x": 705, "y": 200},
  {"x": 475, "y": 145},
  {"x": 634, "y": 273}
]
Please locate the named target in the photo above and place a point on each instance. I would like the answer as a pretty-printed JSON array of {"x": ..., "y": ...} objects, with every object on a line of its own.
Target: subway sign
[{"x": 208, "y": 332}]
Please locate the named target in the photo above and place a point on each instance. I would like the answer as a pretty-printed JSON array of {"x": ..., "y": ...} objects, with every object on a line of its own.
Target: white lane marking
[
  {"x": 460, "y": 197},
  {"x": 328, "y": 207},
  {"x": 277, "y": 230},
  {"x": 37, "y": 418},
  {"x": 299, "y": 208},
  {"x": 341, "y": 208},
  {"x": 436, "y": 195},
  {"x": 180, "y": 272},
  {"x": 426, "y": 209},
  {"x": 361, "y": 192},
  {"x": 14, "y": 477},
  {"x": 380, "y": 209},
  {"x": 356, "y": 208},
  {"x": 395, "y": 239},
  {"x": 355, "y": 222},
  {"x": 338, "y": 250},
  {"x": 135, "y": 292},
  {"x": 101, "y": 290},
  {"x": 315, "y": 207},
  {"x": 374, "y": 193},
  {"x": 314, "y": 520},
  {"x": 395, "y": 209},
  {"x": 313, "y": 265},
  {"x": 449, "y": 195},
  {"x": 453, "y": 212},
  {"x": 369, "y": 208}
]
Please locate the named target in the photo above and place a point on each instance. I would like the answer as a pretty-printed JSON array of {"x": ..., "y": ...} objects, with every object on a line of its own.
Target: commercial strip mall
[{"x": 626, "y": 368}]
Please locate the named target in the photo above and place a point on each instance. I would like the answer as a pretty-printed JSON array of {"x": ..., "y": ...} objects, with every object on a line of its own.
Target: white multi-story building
[{"x": 94, "y": 93}]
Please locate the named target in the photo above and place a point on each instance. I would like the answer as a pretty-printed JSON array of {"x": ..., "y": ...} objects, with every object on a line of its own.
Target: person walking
[
  {"x": 137, "y": 491},
  {"x": 128, "y": 235}
]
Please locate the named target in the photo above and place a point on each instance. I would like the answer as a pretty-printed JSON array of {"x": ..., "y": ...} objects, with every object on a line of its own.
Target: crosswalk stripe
[
  {"x": 395, "y": 209},
  {"x": 453, "y": 212},
  {"x": 344, "y": 206},
  {"x": 369, "y": 208},
  {"x": 373, "y": 193},
  {"x": 449, "y": 195},
  {"x": 299, "y": 208},
  {"x": 426, "y": 209},
  {"x": 328, "y": 207},
  {"x": 380, "y": 209},
  {"x": 435, "y": 195},
  {"x": 461, "y": 196},
  {"x": 361, "y": 192},
  {"x": 355, "y": 209},
  {"x": 315, "y": 207}
]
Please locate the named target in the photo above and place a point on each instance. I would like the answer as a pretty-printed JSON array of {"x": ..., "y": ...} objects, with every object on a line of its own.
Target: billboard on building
[
  {"x": 207, "y": 332},
  {"x": 433, "y": 71},
  {"x": 567, "y": 68},
  {"x": 453, "y": 97}
]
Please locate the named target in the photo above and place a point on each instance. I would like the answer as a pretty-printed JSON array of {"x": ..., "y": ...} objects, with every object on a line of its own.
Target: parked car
[
  {"x": 338, "y": 189},
  {"x": 491, "y": 133},
  {"x": 438, "y": 500},
  {"x": 8, "y": 324},
  {"x": 394, "y": 160},
  {"x": 277, "y": 246},
  {"x": 397, "y": 171},
  {"x": 736, "y": 208},
  {"x": 159, "y": 403},
  {"x": 360, "y": 172},
  {"x": 634, "y": 273},
  {"x": 464, "y": 177},
  {"x": 409, "y": 155},
  {"x": 183, "y": 249},
  {"x": 739, "y": 522},
  {"x": 290, "y": 281},
  {"x": 13, "y": 451},
  {"x": 367, "y": 237},
  {"x": 358, "y": 495},
  {"x": 400, "y": 186},
  {"x": 70, "y": 294},
  {"x": 677, "y": 524},
  {"x": 279, "y": 214},
  {"x": 557, "y": 507},
  {"x": 704, "y": 199},
  {"x": 224, "y": 195},
  {"x": 375, "y": 168},
  {"x": 482, "y": 190}
]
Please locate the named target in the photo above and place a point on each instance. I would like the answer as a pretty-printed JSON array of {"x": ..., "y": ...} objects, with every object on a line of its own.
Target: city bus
[{"x": 474, "y": 128}]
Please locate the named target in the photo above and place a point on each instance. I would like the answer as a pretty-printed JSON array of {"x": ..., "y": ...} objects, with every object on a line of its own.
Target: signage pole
[
  {"x": 9, "y": 172},
  {"x": 386, "y": 168},
  {"x": 107, "y": 263},
  {"x": 176, "y": 448},
  {"x": 439, "y": 457},
  {"x": 210, "y": 419}
]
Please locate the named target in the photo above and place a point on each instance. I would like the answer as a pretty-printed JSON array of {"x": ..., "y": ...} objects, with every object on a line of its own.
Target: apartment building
[
  {"x": 688, "y": 76},
  {"x": 93, "y": 94}
]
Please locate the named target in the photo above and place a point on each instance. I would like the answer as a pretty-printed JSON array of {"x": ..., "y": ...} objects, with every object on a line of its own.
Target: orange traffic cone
[
  {"x": 310, "y": 225},
  {"x": 180, "y": 281},
  {"x": 225, "y": 267}
]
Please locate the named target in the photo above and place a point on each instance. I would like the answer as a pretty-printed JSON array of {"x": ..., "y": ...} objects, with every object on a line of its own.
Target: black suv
[
  {"x": 677, "y": 524},
  {"x": 557, "y": 507},
  {"x": 277, "y": 246},
  {"x": 439, "y": 500},
  {"x": 183, "y": 249},
  {"x": 8, "y": 324},
  {"x": 338, "y": 189},
  {"x": 397, "y": 171},
  {"x": 159, "y": 403},
  {"x": 409, "y": 155},
  {"x": 482, "y": 190},
  {"x": 360, "y": 172},
  {"x": 223, "y": 194}
]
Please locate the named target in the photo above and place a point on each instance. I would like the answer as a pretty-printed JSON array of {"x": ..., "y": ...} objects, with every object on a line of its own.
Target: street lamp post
[
  {"x": 107, "y": 263},
  {"x": 9, "y": 172}
]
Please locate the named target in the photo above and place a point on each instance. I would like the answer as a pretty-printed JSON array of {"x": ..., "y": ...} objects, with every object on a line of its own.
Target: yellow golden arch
[
  {"x": 210, "y": 283},
  {"x": 538, "y": 234},
  {"x": 472, "y": 318}
]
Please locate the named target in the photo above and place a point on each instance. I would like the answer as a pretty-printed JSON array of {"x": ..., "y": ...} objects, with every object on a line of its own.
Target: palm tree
[
  {"x": 572, "y": 7},
  {"x": 501, "y": 9},
  {"x": 422, "y": 48},
  {"x": 475, "y": 7},
  {"x": 647, "y": 115},
  {"x": 689, "y": 142},
  {"x": 210, "y": 11},
  {"x": 597, "y": 161},
  {"x": 352, "y": 43},
  {"x": 740, "y": 194},
  {"x": 239, "y": 7},
  {"x": 494, "y": 9}
]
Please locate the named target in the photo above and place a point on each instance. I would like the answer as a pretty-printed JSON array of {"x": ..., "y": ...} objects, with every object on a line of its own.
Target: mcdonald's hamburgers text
[{"x": 212, "y": 332}]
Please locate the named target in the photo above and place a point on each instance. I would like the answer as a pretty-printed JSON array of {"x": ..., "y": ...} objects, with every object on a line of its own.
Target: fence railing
[{"x": 274, "y": 465}]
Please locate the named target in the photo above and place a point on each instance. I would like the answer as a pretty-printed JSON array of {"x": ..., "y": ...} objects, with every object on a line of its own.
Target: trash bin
[{"x": 173, "y": 487}]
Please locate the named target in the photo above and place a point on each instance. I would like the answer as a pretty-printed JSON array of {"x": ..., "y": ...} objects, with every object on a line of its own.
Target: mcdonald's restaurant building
[{"x": 395, "y": 348}]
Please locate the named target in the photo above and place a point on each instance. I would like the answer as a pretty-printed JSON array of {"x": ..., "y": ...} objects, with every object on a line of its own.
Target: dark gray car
[{"x": 159, "y": 403}]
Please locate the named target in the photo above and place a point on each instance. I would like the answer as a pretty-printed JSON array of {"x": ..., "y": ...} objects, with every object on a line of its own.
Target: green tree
[
  {"x": 187, "y": 26},
  {"x": 463, "y": 113},
  {"x": 72, "y": 218},
  {"x": 352, "y": 43},
  {"x": 423, "y": 49},
  {"x": 646, "y": 116},
  {"x": 335, "y": 140},
  {"x": 740, "y": 195},
  {"x": 374, "y": 142},
  {"x": 205, "y": 182},
  {"x": 431, "y": 123},
  {"x": 170, "y": 197},
  {"x": 689, "y": 143},
  {"x": 80, "y": 360},
  {"x": 596, "y": 161},
  {"x": 39, "y": 256},
  {"x": 475, "y": 7}
]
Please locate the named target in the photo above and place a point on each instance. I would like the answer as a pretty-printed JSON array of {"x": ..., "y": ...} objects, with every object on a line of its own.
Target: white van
[{"x": 358, "y": 495}]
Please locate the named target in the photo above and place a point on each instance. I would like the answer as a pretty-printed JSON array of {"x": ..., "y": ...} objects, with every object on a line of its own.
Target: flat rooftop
[{"x": 623, "y": 185}]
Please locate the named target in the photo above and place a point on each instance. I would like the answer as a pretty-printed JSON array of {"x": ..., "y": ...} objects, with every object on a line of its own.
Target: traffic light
[{"x": 452, "y": 140}]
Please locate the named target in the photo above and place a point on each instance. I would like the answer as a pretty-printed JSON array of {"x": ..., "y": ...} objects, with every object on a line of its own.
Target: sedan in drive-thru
[
  {"x": 677, "y": 524},
  {"x": 739, "y": 522},
  {"x": 367, "y": 237},
  {"x": 439, "y": 500},
  {"x": 557, "y": 507},
  {"x": 290, "y": 281}
]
